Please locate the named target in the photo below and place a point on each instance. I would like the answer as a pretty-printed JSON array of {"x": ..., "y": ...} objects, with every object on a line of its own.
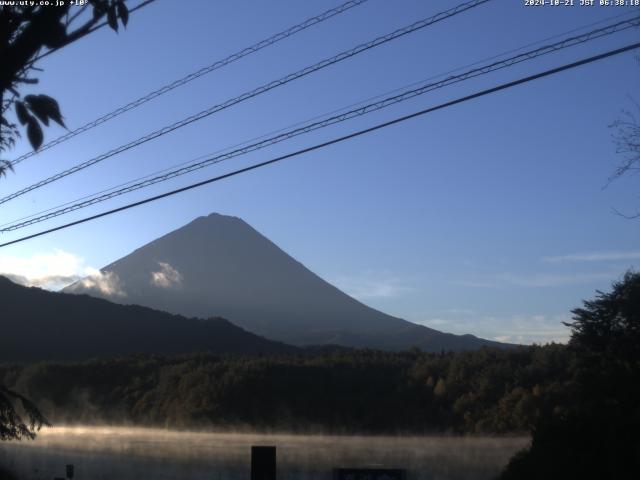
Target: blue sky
[{"x": 489, "y": 217}]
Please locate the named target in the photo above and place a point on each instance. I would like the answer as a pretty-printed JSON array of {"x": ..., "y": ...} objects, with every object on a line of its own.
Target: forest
[{"x": 343, "y": 391}]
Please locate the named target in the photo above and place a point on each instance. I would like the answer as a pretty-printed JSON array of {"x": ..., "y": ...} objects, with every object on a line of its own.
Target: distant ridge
[
  {"x": 220, "y": 266},
  {"x": 39, "y": 325}
]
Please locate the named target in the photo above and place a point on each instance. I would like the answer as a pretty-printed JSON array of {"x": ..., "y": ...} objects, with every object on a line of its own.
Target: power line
[
  {"x": 286, "y": 135},
  {"x": 316, "y": 117},
  {"x": 248, "y": 95},
  {"x": 379, "y": 126},
  {"x": 192, "y": 76}
]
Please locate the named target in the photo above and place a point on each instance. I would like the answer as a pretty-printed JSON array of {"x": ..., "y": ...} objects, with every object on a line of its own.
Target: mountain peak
[
  {"x": 215, "y": 222},
  {"x": 219, "y": 265},
  {"x": 215, "y": 216}
]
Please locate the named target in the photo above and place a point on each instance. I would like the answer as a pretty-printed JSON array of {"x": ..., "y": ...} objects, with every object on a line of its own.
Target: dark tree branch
[
  {"x": 19, "y": 417},
  {"x": 24, "y": 32}
]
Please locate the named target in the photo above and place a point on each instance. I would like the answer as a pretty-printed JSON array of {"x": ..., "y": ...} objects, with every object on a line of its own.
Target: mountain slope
[
  {"x": 219, "y": 265},
  {"x": 39, "y": 325}
]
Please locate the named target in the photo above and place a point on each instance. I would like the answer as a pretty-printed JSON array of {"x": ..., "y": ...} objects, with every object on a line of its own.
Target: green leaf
[
  {"x": 22, "y": 114},
  {"x": 34, "y": 133}
]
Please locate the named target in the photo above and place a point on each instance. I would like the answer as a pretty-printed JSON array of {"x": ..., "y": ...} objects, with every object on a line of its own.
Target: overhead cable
[
  {"x": 359, "y": 133},
  {"x": 312, "y": 126},
  {"x": 253, "y": 93},
  {"x": 192, "y": 76}
]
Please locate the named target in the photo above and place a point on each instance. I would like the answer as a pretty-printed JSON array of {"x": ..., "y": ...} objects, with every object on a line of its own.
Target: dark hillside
[{"x": 40, "y": 325}]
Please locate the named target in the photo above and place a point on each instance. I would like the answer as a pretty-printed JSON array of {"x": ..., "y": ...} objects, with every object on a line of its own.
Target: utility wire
[
  {"x": 248, "y": 95},
  {"x": 386, "y": 102},
  {"x": 316, "y": 117},
  {"x": 195, "y": 165},
  {"x": 192, "y": 76},
  {"x": 358, "y": 133},
  {"x": 266, "y": 135}
]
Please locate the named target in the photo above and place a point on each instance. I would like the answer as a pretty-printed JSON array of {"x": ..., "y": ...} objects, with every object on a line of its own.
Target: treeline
[
  {"x": 596, "y": 435},
  {"x": 340, "y": 391}
]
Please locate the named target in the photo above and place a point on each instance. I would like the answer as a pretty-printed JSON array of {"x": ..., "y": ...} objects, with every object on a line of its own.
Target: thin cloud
[
  {"x": 594, "y": 257},
  {"x": 522, "y": 328},
  {"x": 460, "y": 311},
  {"x": 51, "y": 282},
  {"x": 537, "y": 280},
  {"x": 50, "y": 270},
  {"x": 558, "y": 279},
  {"x": 371, "y": 288},
  {"x": 477, "y": 283}
]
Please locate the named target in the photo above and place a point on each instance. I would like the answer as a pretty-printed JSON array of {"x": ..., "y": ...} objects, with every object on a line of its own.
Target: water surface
[{"x": 105, "y": 453}]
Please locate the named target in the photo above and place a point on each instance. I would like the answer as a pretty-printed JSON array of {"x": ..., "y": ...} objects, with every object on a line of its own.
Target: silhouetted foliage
[
  {"x": 596, "y": 435},
  {"x": 26, "y": 29},
  {"x": 627, "y": 140},
  {"x": 19, "y": 418},
  {"x": 609, "y": 326}
]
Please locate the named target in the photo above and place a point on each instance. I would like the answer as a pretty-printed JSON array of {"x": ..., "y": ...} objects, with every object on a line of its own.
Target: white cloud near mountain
[
  {"x": 521, "y": 328},
  {"x": 166, "y": 277},
  {"x": 106, "y": 283},
  {"x": 50, "y": 270},
  {"x": 50, "y": 282}
]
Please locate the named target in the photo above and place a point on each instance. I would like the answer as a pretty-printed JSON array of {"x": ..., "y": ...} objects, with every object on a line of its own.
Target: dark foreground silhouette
[{"x": 595, "y": 435}]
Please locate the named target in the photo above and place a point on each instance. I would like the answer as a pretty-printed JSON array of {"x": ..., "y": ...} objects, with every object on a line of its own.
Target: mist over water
[{"x": 104, "y": 453}]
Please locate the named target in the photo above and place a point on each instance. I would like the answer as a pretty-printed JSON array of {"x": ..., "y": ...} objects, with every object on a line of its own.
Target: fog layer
[{"x": 101, "y": 453}]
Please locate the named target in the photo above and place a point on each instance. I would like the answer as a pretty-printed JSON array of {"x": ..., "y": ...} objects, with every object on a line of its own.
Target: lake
[{"x": 119, "y": 453}]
